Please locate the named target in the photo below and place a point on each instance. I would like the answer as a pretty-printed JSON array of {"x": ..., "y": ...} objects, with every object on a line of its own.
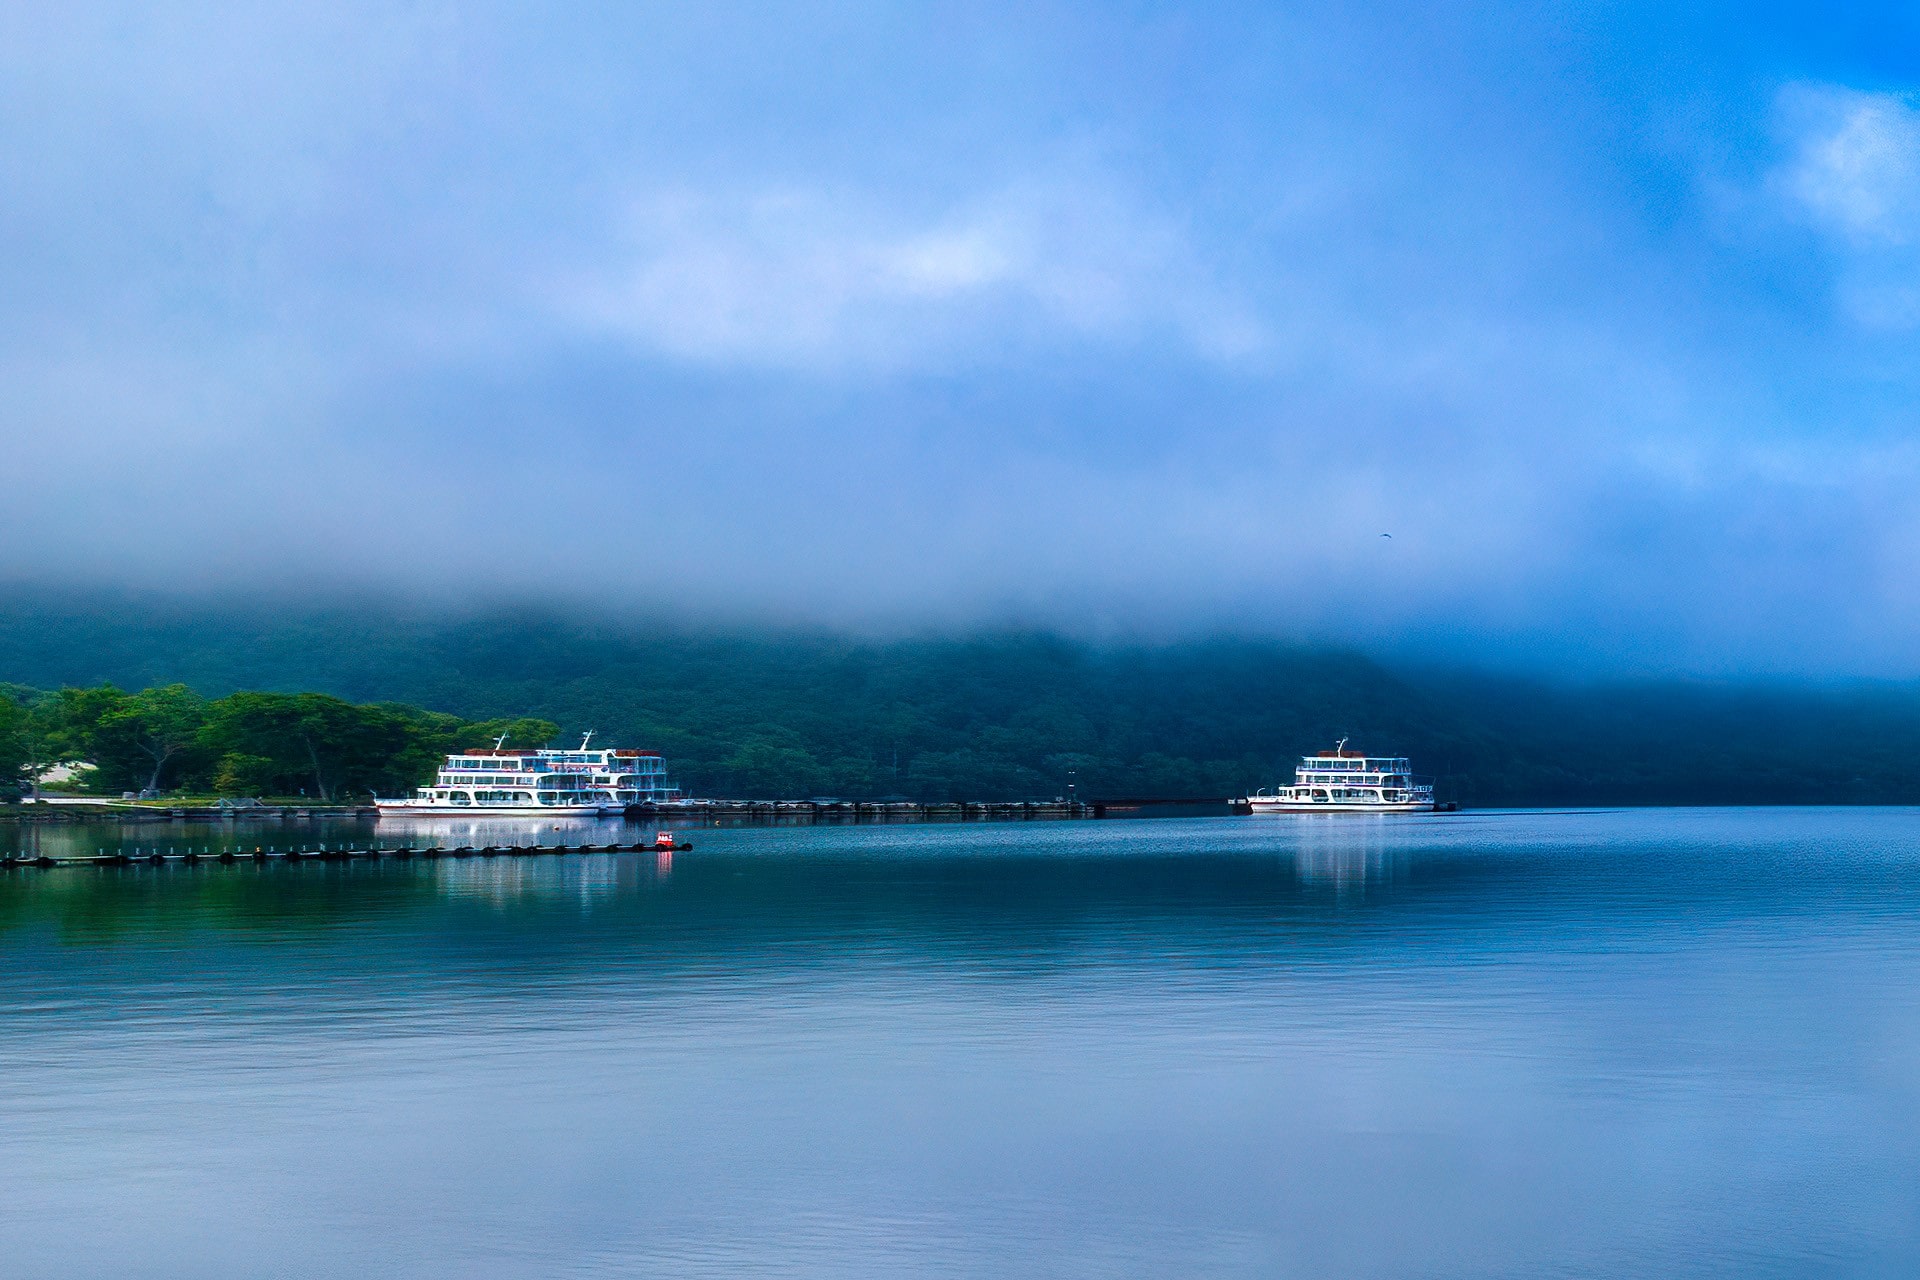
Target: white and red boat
[
  {"x": 1343, "y": 781},
  {"x": 535, "y": 782}
]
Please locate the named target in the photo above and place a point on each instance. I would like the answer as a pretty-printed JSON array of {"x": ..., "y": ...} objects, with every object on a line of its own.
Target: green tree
[
  {"x": 131, "y": 735},
  {"x": 239, "y": 774},
  {"x": 518, "y": 731},
  {"x": 16, "y": 751},
  {"x": 284, "y": 742},
  {"x": 766, "y": 767},
  {"x": 279, "y": 743},
  {"x": 70, "y": 721}
]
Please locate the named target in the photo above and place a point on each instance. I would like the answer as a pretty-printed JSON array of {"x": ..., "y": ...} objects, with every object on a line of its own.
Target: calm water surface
[{"x": 1635, "y": 1043}]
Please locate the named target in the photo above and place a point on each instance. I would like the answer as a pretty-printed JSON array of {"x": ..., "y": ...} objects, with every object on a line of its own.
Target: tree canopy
[
  {"x": 1008, "y": 716},
  {"x": 248, "y": 743}
]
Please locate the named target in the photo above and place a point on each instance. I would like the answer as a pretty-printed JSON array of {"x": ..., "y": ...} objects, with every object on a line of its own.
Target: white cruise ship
[
  {"x": 505, "y": 780},
  {"x": 1343, "y": 781}
]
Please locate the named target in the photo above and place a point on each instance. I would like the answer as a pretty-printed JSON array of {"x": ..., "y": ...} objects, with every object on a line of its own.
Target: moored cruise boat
[
  {"x": 1343, "y": 781},
  {"x": 513, "y": 781}
]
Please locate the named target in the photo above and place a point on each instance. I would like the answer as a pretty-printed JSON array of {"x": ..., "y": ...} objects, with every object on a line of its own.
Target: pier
[{"x": 873, "y": 811}]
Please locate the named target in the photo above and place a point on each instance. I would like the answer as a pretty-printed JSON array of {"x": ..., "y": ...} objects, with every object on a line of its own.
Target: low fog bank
[
  {"x": 1480, "y": 334},
  {"x": 1002, "y": 714},
  {"x": 1575, "y": 632}
]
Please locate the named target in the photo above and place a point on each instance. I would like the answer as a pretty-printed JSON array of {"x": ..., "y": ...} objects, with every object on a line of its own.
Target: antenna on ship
[
  {"x": 589, "y": 738},
  {"x": 1340, "y": 746},
  {"x": 497, "y": 742}
]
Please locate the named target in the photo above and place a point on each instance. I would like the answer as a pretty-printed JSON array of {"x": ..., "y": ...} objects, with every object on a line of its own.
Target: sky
[{"x": 1117, "y": 318}]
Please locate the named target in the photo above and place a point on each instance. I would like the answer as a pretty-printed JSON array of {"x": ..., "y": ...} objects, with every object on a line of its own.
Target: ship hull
[
  {"x": 413, "y": 809},
  {"x": 1258, "y": 804}
]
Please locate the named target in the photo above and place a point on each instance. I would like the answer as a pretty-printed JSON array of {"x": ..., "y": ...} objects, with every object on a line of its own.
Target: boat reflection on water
[
  {"x": 590, "y": 878},
  {"x": 1348, "y": 853},
  {"x": 503, "y": 881},
  {"x": 449, "y": 833}
]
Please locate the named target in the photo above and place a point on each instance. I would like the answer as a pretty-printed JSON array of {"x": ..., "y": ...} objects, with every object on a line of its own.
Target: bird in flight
[{"x": 1386, "y": 535}]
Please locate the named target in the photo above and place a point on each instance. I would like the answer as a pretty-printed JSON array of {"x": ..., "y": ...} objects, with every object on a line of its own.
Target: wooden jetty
[{"x": 875, "y": 810}]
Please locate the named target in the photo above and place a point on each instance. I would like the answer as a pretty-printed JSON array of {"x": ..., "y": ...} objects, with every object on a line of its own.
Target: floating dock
[{"x": 344, "y": 852}]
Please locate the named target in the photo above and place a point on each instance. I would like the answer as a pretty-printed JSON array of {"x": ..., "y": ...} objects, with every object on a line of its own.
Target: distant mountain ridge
[{"x": 996, "y": 716}]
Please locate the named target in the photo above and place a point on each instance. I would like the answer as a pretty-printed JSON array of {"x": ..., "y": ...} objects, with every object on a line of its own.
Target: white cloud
[
  {"x": 1851, "y": 170},
  {"x": 1855, "y": 163},
  {"x": 811, "y": 279}
]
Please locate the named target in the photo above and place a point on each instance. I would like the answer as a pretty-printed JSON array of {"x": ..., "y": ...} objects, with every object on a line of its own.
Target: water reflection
[
  {"x": 87, "y": 838},
  {"x": 426, "y": 830},
  {"x": 584, "y": 880},
  {"x": 1349, "y": 854},
  {"x": 1597, "y": 1045}
]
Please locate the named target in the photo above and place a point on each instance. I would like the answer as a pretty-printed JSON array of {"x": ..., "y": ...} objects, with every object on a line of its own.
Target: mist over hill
[{"x": 1004, "y": 715}]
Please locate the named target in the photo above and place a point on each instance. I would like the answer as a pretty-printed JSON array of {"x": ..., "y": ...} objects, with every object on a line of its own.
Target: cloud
[
  {"x": 943, "y": 314},
  {"x": 1855, "y": 163},
  {"x": 1852, "y": 171},
  {"x": 800, "y": 278}
]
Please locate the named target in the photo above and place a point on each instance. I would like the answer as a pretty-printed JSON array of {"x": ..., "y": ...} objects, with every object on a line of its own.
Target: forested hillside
[{"x": 996, "y": 716}]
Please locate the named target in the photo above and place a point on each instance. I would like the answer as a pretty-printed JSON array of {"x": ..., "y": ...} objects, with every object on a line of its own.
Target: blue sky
[{"x": 1117, "y": 318}]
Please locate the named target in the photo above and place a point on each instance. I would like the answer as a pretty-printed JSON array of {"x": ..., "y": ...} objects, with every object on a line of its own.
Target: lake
[{"x": 1626, "y": 1043}]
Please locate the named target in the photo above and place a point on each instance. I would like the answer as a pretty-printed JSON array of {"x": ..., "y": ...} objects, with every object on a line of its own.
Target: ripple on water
[{"x": 1588, "y": 1043}]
